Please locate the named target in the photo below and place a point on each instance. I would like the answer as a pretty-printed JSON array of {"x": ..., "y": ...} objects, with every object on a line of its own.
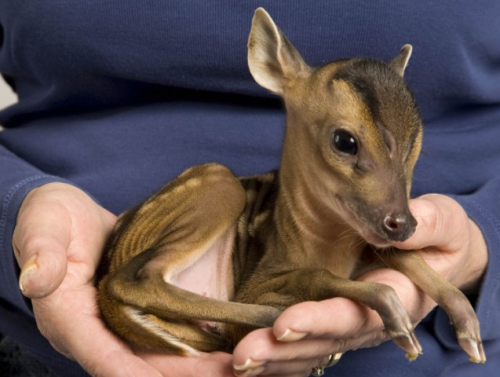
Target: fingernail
[
  {"x": 249, "y": 364},
  {"x": 249, "y": 372},
  {"x": 291, "y": 336},
  {"x": 27, "y": 271}
]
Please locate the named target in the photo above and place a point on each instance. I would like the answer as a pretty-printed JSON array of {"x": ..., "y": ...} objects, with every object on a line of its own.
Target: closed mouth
[{"x": 362, "y": 227}]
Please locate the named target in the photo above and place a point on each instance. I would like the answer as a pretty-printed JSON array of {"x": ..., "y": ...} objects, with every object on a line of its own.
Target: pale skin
[{"x": 60, "y": 234}]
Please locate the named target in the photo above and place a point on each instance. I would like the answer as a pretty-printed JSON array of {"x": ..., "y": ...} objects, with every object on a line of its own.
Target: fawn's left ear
[
  {"x": 400, "y": 62},
  {"x": 272, "y": 59}
]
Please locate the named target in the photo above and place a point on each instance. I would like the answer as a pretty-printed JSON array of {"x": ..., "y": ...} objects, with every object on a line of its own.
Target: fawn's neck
[{"x": 312, "y": 233}]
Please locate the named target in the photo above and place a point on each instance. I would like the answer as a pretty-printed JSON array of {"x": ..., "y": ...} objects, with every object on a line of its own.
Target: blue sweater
[{"x": 118, "y": 97}]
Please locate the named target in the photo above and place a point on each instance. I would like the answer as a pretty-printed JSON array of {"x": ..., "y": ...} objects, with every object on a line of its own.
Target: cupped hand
[
  {"x": 58, "y": 241},
  {"x": 306, "y": 333}
]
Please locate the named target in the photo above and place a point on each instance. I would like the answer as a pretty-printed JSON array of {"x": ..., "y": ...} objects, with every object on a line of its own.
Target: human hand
[
  {"x": 58, "y": 241},
  {"x": 448, "y": 241}
]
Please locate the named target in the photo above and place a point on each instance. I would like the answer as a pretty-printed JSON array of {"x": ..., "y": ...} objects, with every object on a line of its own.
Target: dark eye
[{"x": 344, "y": 142}]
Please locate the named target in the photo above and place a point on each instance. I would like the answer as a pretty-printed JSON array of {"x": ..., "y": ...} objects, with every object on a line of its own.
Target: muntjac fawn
[{"x": 211, "y": 257}]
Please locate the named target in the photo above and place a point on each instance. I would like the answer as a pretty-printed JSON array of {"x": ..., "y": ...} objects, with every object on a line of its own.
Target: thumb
[
  {"x": 41, "y": 240},
  {"x": 440, "y": 219}
]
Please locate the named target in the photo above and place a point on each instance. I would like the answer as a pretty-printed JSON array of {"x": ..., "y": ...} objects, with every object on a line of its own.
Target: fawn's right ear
[
  {"x": 400, "y": 62},
  {"x": 272, "y": 59}
]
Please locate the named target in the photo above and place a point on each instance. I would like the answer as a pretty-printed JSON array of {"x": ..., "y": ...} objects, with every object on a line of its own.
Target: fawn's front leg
[
  {"x": 285, "y": 289},
  {"x": 451, "y": 299}
]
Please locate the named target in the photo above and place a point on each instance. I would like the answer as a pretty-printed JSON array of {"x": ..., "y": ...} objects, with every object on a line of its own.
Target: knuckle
[
  {"x": 17, "y": 251},
  {"x": 33, "y": 243},
  {"x": 372, "y": 339},
  {"x": 341, "y": 345},
  {"x": 444, "y": 215},
  {"x": 317, "y": 361},
  {"x": 376, "y": 339},
  {"x": 432, "y": 217}
]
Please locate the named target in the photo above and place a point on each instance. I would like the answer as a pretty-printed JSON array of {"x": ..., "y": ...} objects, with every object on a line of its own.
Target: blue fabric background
[{"x": 118, "y": 97}]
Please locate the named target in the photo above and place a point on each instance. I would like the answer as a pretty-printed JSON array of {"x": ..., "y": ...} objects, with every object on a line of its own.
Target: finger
[
  {"x": 261, "y": 346},
  {"x": 41, "y": 248},
  {"x": 216, "y": 364},
  {"x": 119, "y": 363},
  {"x": 293, "y": 367},
  {"x": 338, "y": 318},
  {"x": 300, "y": 374},
  {"x": 260, "y": 352},
  {"x": 440, "y": 223},
  {"x": 299, "y": 367},
  {"x": 350, "y": 324},
  {"x": 416, "y": 302},
  {"x": 296, "y": 357}
]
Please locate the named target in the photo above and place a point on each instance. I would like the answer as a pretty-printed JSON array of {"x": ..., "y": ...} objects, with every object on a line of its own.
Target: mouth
[
  {"x": 363, "y": 227},
  {"x": 374, "y": 239}
]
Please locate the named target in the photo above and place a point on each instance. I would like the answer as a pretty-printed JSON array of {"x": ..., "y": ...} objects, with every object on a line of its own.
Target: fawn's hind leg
[
  {"x": 160, "y": 248},
  {"x": 169, "y": 317}
]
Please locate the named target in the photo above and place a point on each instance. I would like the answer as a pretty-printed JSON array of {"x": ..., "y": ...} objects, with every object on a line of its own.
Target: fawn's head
[{"x": 353, "y": 132}]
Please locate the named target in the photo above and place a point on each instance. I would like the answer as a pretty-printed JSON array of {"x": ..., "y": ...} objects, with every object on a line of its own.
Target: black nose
[{"x": 399, "y": 227}]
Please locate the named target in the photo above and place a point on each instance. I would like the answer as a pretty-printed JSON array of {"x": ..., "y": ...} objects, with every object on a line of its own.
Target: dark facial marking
[
  {"x": 375, "y": 83},
  {"x": 361, "y": 74}
]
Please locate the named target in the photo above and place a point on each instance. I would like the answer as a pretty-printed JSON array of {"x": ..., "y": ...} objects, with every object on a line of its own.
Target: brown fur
[{"x": 299, "y": 232}]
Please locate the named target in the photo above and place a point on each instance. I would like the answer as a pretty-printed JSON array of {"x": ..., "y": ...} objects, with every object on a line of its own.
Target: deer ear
[
  {"x": 272, "y": 59},
  {"x": 400, "y": 62}
]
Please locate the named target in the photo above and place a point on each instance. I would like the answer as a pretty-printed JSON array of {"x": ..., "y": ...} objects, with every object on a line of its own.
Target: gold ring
[
  {"x": 333, "y": 359},
  {"x": 320, "y": 369}
]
